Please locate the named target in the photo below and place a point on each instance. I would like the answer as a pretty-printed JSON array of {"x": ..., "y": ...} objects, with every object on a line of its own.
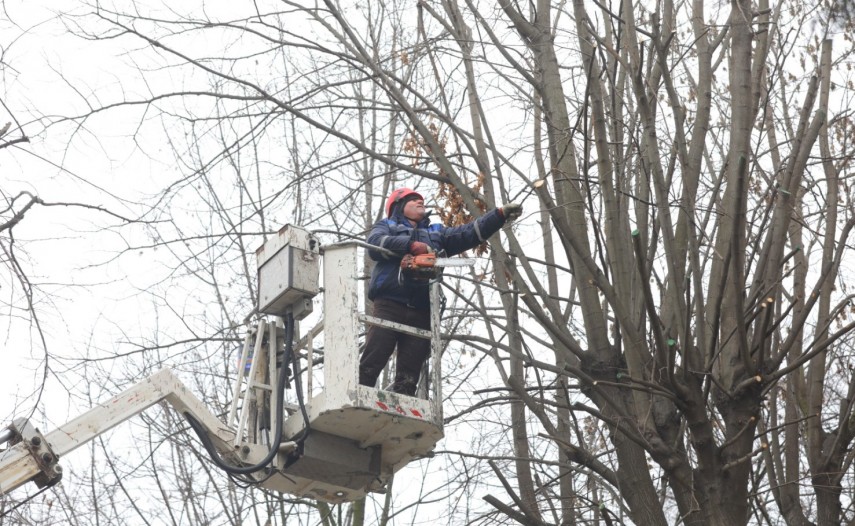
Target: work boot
[
  {"x": 405, "y": 386},
  {"x": 367, "y": 377}
]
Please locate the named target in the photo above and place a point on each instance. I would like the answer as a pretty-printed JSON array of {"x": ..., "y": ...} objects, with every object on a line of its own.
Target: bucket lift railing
[
  {"x": 430, "y": 380},
  {"x": 341, "y": 326},
  {"x": 344, "y": 319},
  {"x": 308, "y": 342}
]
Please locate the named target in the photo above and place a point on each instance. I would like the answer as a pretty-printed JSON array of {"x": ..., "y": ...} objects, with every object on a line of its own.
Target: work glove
[
  {"x": 417, "y": 248},
  {"x": 511, "y": 211}
]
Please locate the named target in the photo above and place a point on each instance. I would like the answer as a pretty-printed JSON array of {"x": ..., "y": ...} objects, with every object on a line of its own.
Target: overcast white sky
[{"x": 56, "y": 245}]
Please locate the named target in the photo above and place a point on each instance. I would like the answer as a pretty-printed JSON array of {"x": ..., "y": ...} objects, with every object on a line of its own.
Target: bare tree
[{"x": 669, "y": 325}]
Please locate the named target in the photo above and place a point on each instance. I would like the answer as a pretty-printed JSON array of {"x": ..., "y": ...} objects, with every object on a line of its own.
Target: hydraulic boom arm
[{"x": 33, "y": 456}]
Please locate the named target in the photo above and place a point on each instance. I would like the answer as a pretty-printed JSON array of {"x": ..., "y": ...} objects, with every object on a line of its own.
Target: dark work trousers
[{"x": 380, "y": 342}]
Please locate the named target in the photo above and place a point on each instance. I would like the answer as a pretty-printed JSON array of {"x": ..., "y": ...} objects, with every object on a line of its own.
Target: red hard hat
[{"x": 397, "y": 195}]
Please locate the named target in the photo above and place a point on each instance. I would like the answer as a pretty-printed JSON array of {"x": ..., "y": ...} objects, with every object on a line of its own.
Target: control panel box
[{"x": 288, "y": 272}]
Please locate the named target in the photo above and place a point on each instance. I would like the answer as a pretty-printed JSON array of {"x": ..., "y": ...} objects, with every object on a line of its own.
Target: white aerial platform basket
[{"x": 359, "y": 436}]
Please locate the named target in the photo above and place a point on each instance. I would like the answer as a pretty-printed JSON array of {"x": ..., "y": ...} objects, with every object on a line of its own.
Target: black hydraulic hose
[
  {"x": 363, "y": 244},
  {"x": 280, "y": 406},
  {"x": 298, "y": 384}
]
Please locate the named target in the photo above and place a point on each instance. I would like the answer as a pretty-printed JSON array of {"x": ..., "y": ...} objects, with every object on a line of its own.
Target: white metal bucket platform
[
  {"x": 358, "y": 436},
  {"x": 356, "y": 449}
]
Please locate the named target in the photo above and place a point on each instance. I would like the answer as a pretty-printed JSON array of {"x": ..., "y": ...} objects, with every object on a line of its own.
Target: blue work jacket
[{"x": 396, "y": 234}]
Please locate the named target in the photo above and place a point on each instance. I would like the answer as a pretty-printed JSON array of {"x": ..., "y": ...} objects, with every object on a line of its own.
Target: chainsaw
[{"x": 427, "y": 266}]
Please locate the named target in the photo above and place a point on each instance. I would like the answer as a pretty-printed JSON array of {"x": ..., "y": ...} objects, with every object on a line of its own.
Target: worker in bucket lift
[{"x": 403, "y": 298}]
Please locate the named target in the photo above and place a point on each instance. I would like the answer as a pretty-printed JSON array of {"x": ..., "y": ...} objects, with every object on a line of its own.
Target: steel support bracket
[{"x": 32, "y": 440}]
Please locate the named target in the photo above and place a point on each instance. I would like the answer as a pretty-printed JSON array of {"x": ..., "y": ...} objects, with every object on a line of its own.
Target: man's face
[{"x": 414, "y": 209}]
